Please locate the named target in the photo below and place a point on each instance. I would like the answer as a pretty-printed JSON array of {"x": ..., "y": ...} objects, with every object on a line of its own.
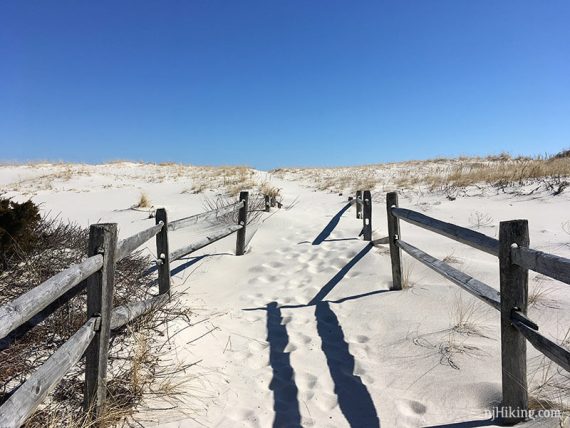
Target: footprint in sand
[
  {"x": 306, "y": 381},
  {"x": 359, "y": 370},
  {"x": 368, "y": 380},
  {"x": 315, "y": 268},
  {"x": 352, "y": 274},
  {"x": 326, "y": 401},
  {"x": 298, "y": 269},
  {"x": 276, "y": 265},
  {"x": 257, "y": 269},
  {"x": 269, "y": 279},
  {"x": 306, "y": 395},
  {"x": 303, "y": 338},
  {"x": 291, "y": 347},
  {"x": 256, "y": 298},
  {"x": 255, "y": 282},
  {"x": 244, "y": 417},
  {"x": 410, "y": 413}
]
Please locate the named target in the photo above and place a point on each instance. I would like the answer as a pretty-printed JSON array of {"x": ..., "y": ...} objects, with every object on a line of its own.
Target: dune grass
[{"x": 501, "y": 172}]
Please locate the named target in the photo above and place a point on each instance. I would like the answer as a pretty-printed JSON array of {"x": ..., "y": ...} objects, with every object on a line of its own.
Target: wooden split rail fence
[
  {"x": 363, "y": 202},
  {"x": 515, "y": 259},
  {"x": 96, "y": 274}
]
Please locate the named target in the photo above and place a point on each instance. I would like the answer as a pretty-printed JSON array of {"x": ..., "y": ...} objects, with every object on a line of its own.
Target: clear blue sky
[{"x": 282, "y": 82}]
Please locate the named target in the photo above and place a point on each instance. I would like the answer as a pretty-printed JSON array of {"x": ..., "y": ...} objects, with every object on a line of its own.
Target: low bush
[{"x": 18, "y": 229}]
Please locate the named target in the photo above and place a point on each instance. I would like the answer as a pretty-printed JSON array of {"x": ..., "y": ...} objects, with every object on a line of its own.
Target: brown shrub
[{"x": 18, "y": 227}]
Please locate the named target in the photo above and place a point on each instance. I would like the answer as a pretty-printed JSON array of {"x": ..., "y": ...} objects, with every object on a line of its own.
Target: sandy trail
[
  {"x": 303, "y": 331},
  {"x": 279, "y": 341}
]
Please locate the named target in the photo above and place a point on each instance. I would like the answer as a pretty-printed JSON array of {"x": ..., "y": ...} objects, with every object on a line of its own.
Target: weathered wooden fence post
[
  {"x": 162, "y": 253},
  {"x": 242, "y": 220},
  {"x": 367, "y": 215},
  {"x": 514, "y": 296},
  {"x": 358, "y": 206},
  {"x": 267, "y": 203},
  {"x": 102, "y": 240},
  {"x": 393, "y": 235}
]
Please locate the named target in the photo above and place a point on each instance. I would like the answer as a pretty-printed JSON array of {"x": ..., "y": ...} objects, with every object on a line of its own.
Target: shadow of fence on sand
[
  {"x": 354, "y": 399},
  {"x": 330, "y": 226},
  {"x": 286, "y": 403},
  {"x": 327, "y": 288}
]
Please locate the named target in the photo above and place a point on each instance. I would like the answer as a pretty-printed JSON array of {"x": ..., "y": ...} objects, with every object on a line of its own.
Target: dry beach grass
[{"x": 501, "y": 172}]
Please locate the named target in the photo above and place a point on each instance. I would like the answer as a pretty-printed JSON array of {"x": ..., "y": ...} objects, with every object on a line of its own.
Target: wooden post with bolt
[
  {"x": 267, "y": 203},
  {"x": 242, "y": 220},
  {"x": 358, "y": 206},
  {"x": 162, "y": 253},
  {"x": 367, "y": 215},
  {"x": 102, "y": 240},
  {"x": 514, "y": 297},
  {"x": 393, "y": 236}
]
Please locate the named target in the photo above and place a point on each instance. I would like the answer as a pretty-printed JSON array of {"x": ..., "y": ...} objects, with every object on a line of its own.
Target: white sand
[{"x": 337, "y": 348}]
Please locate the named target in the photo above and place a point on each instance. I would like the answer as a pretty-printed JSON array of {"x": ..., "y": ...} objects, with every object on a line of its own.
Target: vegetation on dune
[
  {"x": 144, "y": 201},
  {"x": 552, "y": 174},
  {"x": 231, "y": 180},
  {"x": 448, "y": 176}
]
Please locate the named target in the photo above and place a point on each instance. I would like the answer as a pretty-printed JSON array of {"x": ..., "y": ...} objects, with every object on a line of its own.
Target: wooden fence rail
[
  {"x": 123, "y": 315},
  {"x": 92, "y": 339},
  {"x": 478, "y": 289},
  {"x": 194, "y": 219},
  {"x": 547, "y": 264},
  {"x": 128, "y": 245},
  {"x": 515, "y": 259},
  {"x": 20, "y": 310},
  {"x": 211, "y": 238},
  {"x": 460, "y": 234},
  {"x": 549, "y": 348},
  {"x": 31, "y": 393}
]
